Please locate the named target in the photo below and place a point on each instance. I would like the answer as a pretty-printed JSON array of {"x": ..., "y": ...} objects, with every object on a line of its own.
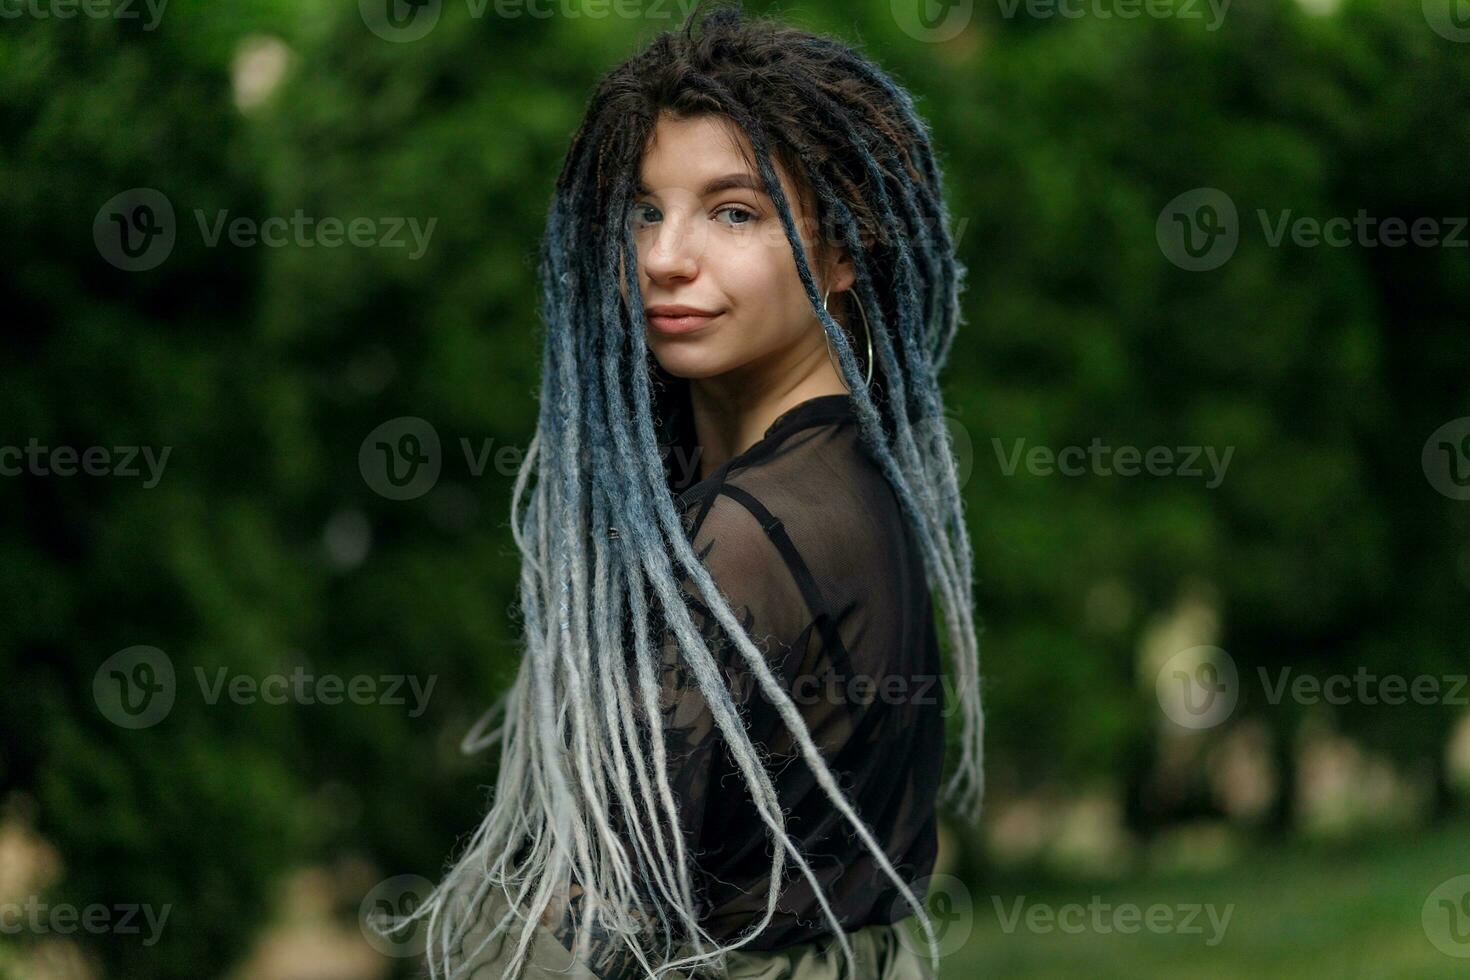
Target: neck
[{"x": 733, "y": 410}]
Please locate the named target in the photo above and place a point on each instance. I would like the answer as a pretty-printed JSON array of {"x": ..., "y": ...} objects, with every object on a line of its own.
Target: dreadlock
[{"x": 579, "y": 736}]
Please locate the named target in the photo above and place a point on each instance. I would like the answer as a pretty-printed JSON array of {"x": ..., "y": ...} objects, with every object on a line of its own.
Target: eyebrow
[{"x": 725, "y": 183}]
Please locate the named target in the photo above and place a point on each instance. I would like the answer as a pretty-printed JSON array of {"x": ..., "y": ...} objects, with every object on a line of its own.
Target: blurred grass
[{"x": 1318, "y": 910}]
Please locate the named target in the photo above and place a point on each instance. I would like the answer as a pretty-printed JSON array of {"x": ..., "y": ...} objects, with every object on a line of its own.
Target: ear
[{"x": 841, "y": 275}]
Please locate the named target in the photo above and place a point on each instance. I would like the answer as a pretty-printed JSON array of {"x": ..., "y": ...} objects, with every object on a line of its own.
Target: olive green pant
[{"x": 878, "y": 950}]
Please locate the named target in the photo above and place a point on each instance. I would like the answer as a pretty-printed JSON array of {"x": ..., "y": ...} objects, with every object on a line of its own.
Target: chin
[
  {"x": 689, "y": 360},
  {"x": 691, "y": 368}
]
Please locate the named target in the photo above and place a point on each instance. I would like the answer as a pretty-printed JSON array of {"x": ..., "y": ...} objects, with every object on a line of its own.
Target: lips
[{"x": 675, "y": 319}]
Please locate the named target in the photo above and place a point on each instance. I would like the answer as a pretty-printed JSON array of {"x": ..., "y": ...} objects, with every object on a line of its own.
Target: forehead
[{"x": 693, "y": 154}]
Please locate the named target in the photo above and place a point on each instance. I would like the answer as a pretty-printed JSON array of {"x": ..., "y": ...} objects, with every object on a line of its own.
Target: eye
[
  {"x": 747, "y": 215},
  {"x": 640, "y": 212}
]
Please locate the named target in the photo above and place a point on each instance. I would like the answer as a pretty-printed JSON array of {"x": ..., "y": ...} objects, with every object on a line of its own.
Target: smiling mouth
[{"x": 674, "y": 325}]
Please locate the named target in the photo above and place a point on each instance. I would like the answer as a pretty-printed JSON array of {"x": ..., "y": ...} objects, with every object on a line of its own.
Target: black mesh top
[{"x": 806, "y": 538}]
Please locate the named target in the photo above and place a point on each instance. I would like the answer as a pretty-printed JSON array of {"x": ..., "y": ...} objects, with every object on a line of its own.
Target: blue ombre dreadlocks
[{"x": 579, "y": 735}]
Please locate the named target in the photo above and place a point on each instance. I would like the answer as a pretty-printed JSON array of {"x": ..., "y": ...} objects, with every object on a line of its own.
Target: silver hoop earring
[{"x": 867, "y": 329}]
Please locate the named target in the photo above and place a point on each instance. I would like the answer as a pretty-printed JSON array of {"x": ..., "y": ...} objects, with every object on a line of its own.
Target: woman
[{"x": 721, "y": 755}]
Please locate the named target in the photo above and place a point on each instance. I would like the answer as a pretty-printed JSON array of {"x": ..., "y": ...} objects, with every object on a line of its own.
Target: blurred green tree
[{"x": 268, "y": 545}]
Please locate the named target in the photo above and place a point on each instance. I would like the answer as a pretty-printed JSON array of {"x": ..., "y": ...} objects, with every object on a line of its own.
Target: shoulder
[
  {"x": 794, "y": 547},
  {"x": 730, "y": 529},
  {"x": 828, "y": 497}
]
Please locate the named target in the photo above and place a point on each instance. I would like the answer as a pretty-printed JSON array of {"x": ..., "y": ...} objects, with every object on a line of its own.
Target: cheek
[{"x": 762, "y": 278}]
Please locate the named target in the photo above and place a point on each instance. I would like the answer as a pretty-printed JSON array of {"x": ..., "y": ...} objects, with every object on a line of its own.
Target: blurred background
[{"x": 1211, "y": 408}]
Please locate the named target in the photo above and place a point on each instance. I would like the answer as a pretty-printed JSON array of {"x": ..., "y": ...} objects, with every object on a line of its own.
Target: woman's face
[{"x": 708, "y": 239}]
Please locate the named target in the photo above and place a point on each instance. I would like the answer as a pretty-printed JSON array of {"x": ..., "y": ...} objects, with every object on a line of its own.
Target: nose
[{"x": 671, "y": 249}]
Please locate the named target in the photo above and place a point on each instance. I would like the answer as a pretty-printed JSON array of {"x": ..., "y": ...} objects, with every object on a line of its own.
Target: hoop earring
[{"x": 867, "y": 329}]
